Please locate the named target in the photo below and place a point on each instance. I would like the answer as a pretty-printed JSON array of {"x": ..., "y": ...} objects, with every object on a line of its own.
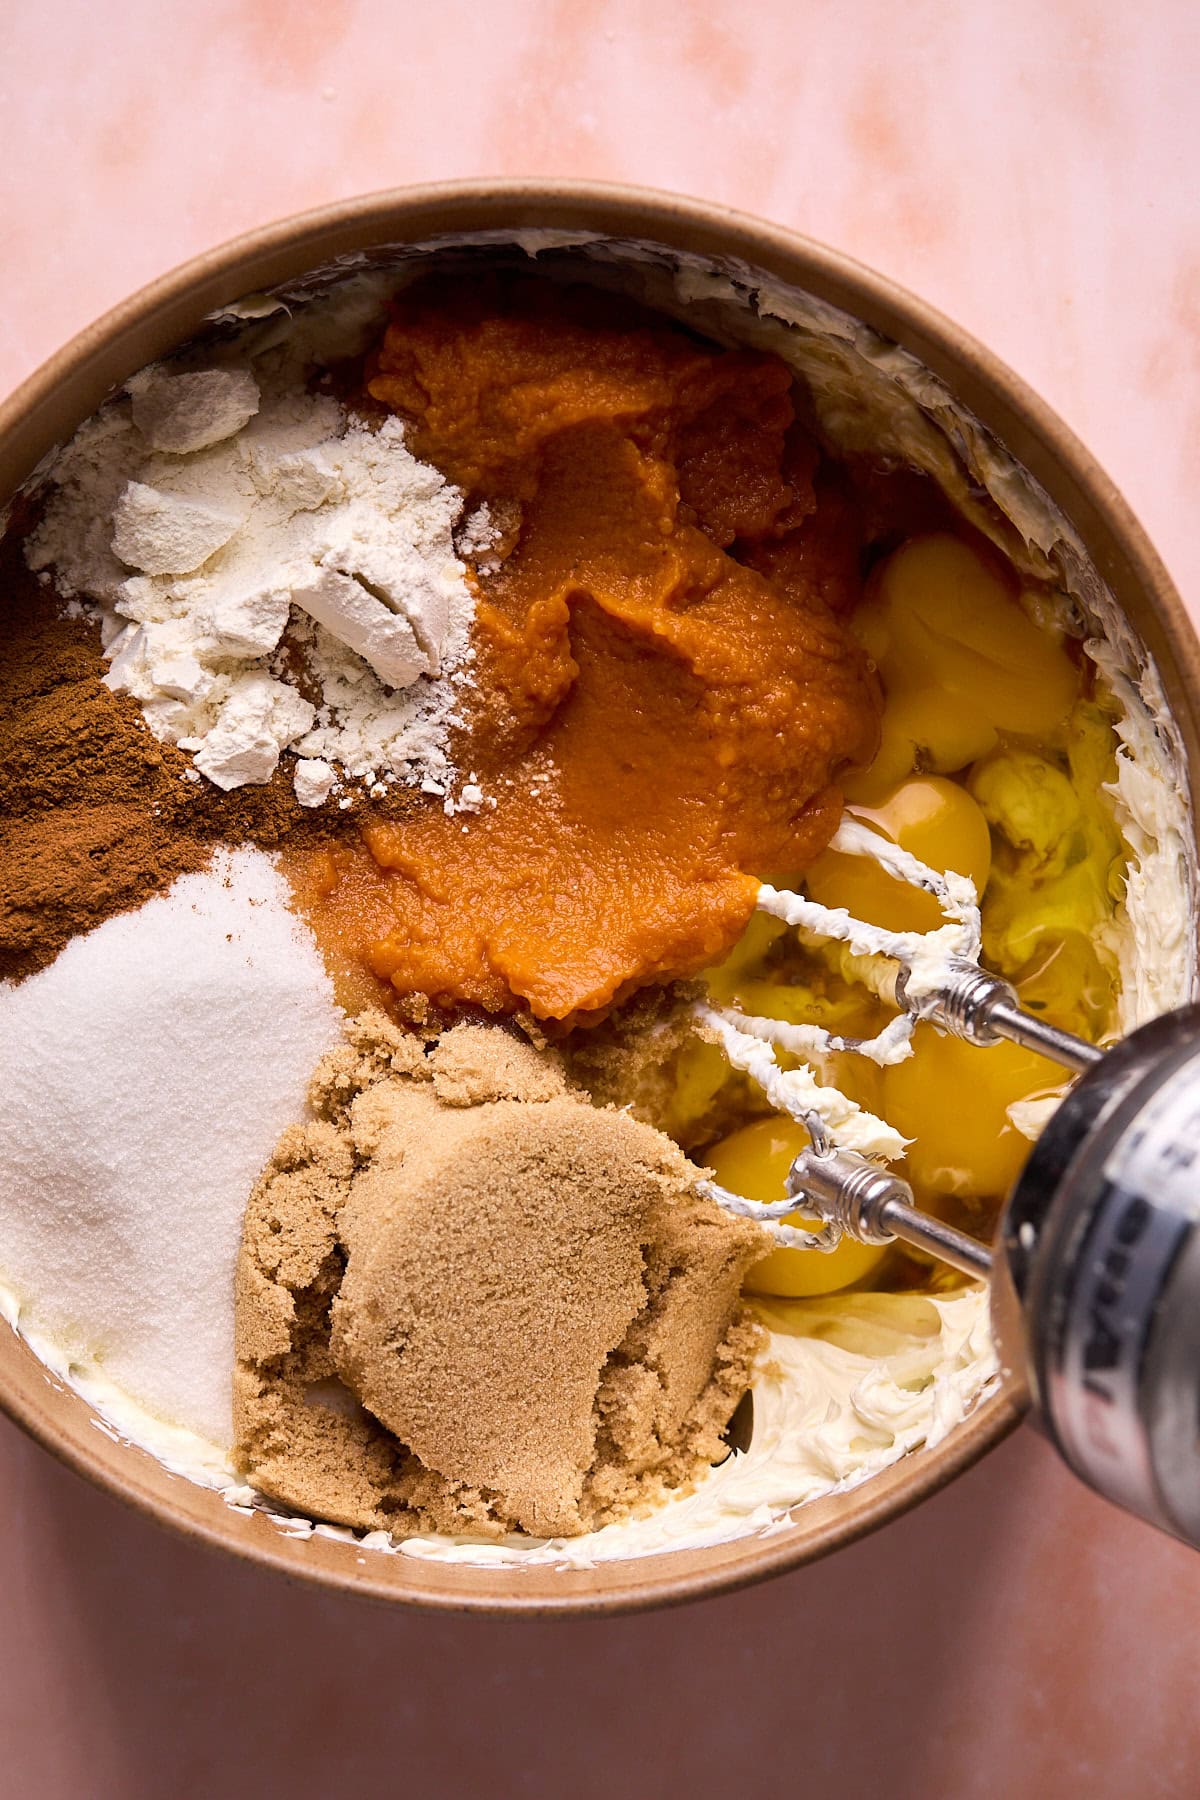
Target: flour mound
[{"x": 271, "y": 573}]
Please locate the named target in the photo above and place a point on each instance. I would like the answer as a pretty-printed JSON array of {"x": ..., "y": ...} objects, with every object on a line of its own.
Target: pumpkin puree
[{"x": 656, "y": 722}]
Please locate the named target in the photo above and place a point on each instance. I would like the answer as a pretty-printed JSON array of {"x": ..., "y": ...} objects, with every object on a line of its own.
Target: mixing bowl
[{"x": 620, "y": 229}]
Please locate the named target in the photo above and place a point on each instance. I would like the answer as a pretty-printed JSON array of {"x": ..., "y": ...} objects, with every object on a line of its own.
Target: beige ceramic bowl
[{"x": 72, "y": 385}]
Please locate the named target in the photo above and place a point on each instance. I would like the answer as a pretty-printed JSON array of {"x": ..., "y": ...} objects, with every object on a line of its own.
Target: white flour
[{"x": 205, "y": 510}]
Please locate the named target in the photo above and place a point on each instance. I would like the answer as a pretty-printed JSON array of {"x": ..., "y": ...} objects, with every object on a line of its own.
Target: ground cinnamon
[{"x": 95, "y": 814}]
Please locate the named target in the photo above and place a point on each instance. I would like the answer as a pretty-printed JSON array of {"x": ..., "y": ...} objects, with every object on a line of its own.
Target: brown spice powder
[{"x": 95, "y": 814}]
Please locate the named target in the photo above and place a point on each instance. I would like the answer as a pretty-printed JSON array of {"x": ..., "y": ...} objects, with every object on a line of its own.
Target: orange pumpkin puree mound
[{"x": 658, "y": 723}]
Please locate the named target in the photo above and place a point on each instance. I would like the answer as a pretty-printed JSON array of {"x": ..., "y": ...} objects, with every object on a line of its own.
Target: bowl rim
[{"x": 74, "y": 381}]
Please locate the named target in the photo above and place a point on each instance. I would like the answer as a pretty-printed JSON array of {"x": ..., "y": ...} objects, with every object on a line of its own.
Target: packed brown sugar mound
[
  {"x": 469, "y": 1300},
  {"x": 656, "y": 722}
]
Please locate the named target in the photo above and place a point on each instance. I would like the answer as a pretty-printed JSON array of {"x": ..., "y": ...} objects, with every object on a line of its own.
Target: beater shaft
[
  {"x": 847, "y": 1190},
  {"x": 981, "y": 1008}
]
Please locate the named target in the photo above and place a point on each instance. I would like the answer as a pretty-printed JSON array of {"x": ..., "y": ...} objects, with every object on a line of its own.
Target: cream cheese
[
  {"x": 886, "y": 1374},
  {"x": 845, "y": 1388}
]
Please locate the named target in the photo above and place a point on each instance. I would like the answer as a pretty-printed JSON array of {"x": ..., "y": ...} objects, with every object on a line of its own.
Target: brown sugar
[{"x": 469, "y": 1300}]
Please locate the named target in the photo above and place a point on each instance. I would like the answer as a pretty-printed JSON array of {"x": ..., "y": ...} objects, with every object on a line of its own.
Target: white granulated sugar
[
  {"x": 204, "y": 511},
  {"x": 147, "y": 1074}
]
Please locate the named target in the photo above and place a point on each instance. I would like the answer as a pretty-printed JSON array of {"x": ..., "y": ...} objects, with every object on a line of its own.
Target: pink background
[{"x": 1029, "y": 167}]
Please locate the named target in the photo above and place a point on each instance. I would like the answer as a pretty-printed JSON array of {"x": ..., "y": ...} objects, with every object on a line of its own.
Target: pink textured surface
[{"x": 1028, "y": 166}]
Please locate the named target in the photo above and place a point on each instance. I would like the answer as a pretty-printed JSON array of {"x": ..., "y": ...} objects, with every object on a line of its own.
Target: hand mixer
[{"x": 1095, "y": 1268}]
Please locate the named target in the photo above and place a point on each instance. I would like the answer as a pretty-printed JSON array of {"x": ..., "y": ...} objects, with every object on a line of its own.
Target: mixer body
[{"x": 1096, "y": 1290}]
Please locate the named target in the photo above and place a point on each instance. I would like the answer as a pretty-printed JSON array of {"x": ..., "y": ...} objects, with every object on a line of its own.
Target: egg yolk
[
  {"x": 960, "y": 661},
  {"x": 952, "y": 1100},
  {"x": 967, "y": 677},
  {"x": 754, "y": 1162},
  {"x": 727, "y": 979},
  {"x": 701, "y": 1071},
  {"x": 934, "y": 819}
]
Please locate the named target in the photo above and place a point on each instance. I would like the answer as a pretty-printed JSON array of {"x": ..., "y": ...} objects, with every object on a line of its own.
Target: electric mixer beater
[{"x": 1095, "y": 1267}]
